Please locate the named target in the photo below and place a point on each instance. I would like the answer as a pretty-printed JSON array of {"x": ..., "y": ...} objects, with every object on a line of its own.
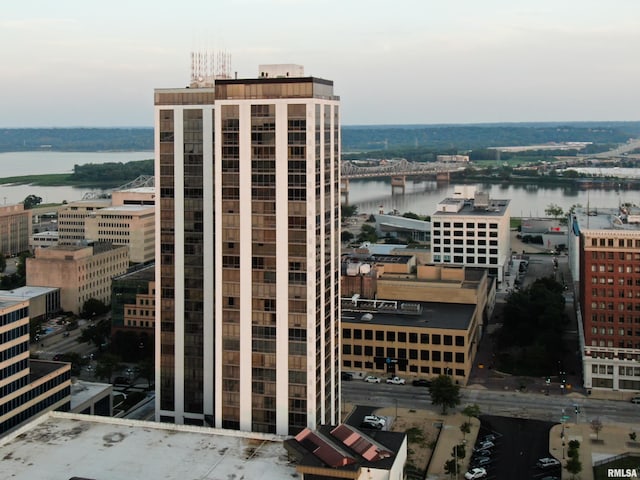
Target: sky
[{"x": 79, "y": 63}]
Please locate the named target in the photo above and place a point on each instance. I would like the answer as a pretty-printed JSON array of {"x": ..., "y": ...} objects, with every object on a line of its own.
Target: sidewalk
[
  {"x": 612, "y": 440},
  {"x": 450, "y": 435}
]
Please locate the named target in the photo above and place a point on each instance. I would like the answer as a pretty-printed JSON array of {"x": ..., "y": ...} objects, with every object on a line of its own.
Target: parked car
[
  {"x": 550, "y": 478},
  {"x": 421, "y": 382},
  {"x": 481, "y": 461},
  {"x": 371, "y": 425},
  {"x": 396, "y": 380},
  {"x": 346, "y": 376},
  {"x": 475, "y": 473},
  {"x": 547, "y": 462},
  {"x": 375, "y": 419},
  {"x": 635, "y": 400},
  {"x": 371, "y": 379},
  {"x": 489, "y": 438},
  {"x": 482, "y": 453},
  {"x": 484, "y": 446}
]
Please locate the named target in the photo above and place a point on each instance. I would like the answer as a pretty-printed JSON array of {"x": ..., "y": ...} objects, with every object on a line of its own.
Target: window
[{"x": 346, "y": 333}]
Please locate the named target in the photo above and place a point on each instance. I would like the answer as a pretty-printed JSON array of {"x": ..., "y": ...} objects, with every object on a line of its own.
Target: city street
[{"x": 507, "y": 403}]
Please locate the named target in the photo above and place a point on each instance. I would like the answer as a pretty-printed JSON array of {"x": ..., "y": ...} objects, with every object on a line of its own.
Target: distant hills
[{"x": 354, "y": 137}]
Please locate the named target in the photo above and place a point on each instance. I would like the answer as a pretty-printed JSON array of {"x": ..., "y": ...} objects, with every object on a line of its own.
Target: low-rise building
[
  {"x": 133, "y": 301},
  {"x": 28, "y": 388},
  {"x": 604, "y": 255},
  {"x": 15, "y": 223},
  {"x": 44, "y": 302},
  {"x": 48, "y": 238},
  {"x": 343, "y": 451},
  {"x": 71, "y": 219},
  {"x": 473, "y": 230},
  {"x": 416, "y": 320},
  {"x": 81, "y": 272},
  {"x": 130, "y": 225},
  {"x": 85, "y": 446}
]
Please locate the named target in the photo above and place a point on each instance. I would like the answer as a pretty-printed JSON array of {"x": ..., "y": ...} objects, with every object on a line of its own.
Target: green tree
[
  {"x": 411, "y": 215},
  {"x": 459, "y": 451},
  {"x": 107, "y": 364},
  {"x": 554, "y": 210},
  {"x": 596, "y": 426},
  {"x": 367, "y": 234},
  {"x": 444, "y": 392},
  {"x": 96, "y": 334},
  {"x": 3, "y": 263},
  {"x": 471, "y": 411},
  {"x": 465, "y": 428},
  {"x": 574, "y": 466},
  {"x": 346, "y": 236},
  {"x": 451, "y": 467},
  {"x": 347, "y": 211},
  {"x": 31, "y": 201},
  {"x": 93, "y": 307}
]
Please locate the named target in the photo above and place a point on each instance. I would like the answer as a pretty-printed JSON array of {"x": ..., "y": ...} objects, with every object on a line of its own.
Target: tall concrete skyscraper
[{"x": 247, "y": 252}]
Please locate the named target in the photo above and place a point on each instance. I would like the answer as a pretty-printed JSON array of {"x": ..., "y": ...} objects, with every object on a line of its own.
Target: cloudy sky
[{"x": 87, "y": 63}]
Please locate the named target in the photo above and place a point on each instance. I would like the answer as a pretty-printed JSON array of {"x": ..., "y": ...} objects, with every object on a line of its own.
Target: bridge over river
[{"x": 398, "y": 170}]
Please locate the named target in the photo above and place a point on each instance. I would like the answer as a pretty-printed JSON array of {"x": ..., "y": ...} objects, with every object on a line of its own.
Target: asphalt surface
[{"x": 518, "y": 446}]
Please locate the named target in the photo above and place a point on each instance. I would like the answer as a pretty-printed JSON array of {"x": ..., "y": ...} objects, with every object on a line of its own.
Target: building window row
[{"x": 402, "y": 337}]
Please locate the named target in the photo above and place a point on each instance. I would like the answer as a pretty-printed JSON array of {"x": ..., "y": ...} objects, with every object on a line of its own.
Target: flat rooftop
[
  {"x": 63, "y": 445},
  {"x": 604, "y": 219},
  {"x": 455, "y": 316},
  {"x": 27, "y": 292},
  {"x": 495, "y": 208}
]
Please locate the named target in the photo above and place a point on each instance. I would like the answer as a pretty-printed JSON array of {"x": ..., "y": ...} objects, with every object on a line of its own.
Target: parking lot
[{"x": 516, "y": 446}]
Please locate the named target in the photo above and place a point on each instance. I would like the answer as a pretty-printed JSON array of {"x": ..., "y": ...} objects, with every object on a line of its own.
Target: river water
[
  {"x": 14, "y": 164},
  {"x": 370, "y": 195},
  {"x": 422, "y": 198}
]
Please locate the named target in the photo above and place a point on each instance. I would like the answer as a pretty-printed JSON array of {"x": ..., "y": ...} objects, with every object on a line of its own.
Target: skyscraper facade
[{"x": 247, "y": 252}]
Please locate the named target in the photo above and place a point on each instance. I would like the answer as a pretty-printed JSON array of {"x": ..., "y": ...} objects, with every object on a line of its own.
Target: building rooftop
[
  {"x": 82, "y": 391},
  {"x": 42, "y": 368},
  {"x": 147, "y": 273},
  {"x": 128, "y": 208},
  {"x": 64, "y": 445},
  {"x": 8, "y": 302},
  {"x": 25, "y": 293},
  {"x": 455, "y": 316},
  {"x": 623, "y": 219},
  {"x": 495, "y": 208},
  {"x": 389, "y": 258}
]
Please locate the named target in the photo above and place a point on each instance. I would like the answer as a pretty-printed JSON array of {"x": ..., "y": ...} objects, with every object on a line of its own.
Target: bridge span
[{"x": 398, "y": 170}]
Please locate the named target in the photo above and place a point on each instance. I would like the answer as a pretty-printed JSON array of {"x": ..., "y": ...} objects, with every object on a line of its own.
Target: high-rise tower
[{"x": 247, "y": 252}]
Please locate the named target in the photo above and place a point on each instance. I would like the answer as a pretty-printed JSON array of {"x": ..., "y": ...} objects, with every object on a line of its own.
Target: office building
[
  {"x": 14, "y": 229},
  {"x": 604, "y": 255},
  {"x": 130, "y": 225},
  {"x": 82, "y": 272},
  {"x": 28, "y": 388},
  {"x": 133, "y": 301},
  {"x": 473, "y": 230},
  {"x": 76, "y": 446},
  {"x": 71, "y": 219},
  {"x": 416, "y": 321},
  {"x": 247, "y": 228}
]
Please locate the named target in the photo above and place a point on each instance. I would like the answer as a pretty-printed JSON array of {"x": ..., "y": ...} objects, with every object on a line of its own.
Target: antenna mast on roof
[{"x": 207, "y": 66}]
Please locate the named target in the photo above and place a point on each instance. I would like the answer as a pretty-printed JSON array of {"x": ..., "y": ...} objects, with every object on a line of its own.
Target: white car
[
  {"x": 547, "y": 462},
  {"x": 375, "y": 419},
  {"x": 475, "y": 473},
  {"x": 371, "y": 379},
  {"x": 396, "y": 380}
]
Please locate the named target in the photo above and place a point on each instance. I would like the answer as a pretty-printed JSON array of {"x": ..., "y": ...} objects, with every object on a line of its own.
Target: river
[
  {"x": 13, "y": 164},
  {"x": 420, "y": 197}
]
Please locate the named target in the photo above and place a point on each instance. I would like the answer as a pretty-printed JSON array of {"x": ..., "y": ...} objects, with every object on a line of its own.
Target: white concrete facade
[
  {"x": 238, "y": 301},
  {"x": 464, "y": 234}
]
